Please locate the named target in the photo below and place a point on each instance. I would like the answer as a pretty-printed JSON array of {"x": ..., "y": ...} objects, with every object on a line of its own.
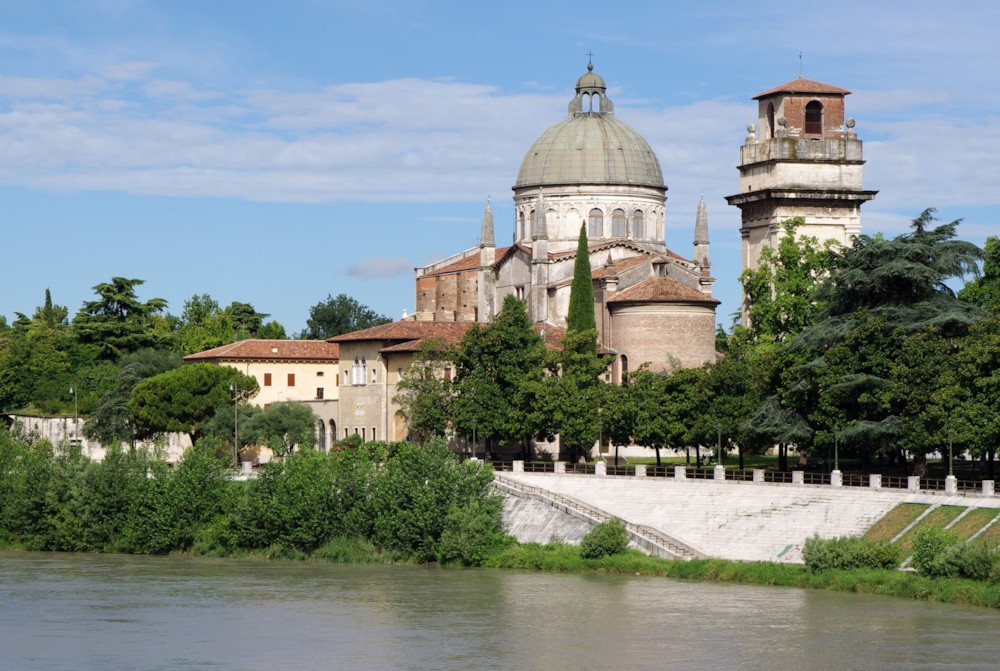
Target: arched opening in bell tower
[{"x": 814, "y": 118}]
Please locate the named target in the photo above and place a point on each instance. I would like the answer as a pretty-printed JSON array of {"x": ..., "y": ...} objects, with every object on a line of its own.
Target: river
[{"x": 67, "y": 611}]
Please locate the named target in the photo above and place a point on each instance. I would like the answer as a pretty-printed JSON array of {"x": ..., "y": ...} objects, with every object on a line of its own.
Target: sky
[{"x": 275, "y": 153}]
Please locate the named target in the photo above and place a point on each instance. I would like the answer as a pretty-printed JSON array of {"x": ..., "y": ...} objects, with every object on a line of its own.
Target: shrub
[
  {"x": 974, "y": 561},
  {"x": 928, "y": 547},
  {"x": 472, "y": 531},
  {"x": 605, "y": 539},
  {"x": 845, "y": 553}
]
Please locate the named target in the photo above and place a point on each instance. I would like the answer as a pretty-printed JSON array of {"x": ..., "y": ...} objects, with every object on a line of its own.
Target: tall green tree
[
  {"x": 581, "y": 296},
  {"x": 498, "y": 369},
  {"x": 424, "y": 395},
  {"x": 118, "y": 322},
  {"x": 284, "y": 426},
  {"x": 984, "y": 291},
  {"x": 782, "y": 291},
  {"x": 338, "y": 315}
]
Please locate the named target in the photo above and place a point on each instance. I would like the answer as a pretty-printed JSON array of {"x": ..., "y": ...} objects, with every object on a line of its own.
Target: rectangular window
[
  {"x": 319, "y": 373},
  {"x": 267, "y": 379},
  {"x": 291, "y": 379},
  {"x": 447, "y": 373},
  {"x": 362, "y": 433},
  {"x": 319, "y": 393},
  {"x": 373, "y": 433},
  {"x": 374, "y": 376},
  {"x": 337, "y": 379}
]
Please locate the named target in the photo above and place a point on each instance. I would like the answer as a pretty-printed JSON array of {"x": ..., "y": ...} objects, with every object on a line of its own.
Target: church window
[
  {"x": 637, "y": 225},
  {"x": 595, "y": 228},
  {"x": 814, "y": 118},
  {"x": 520, "y": 224},
  {"x": 618, "y": 224},
  {"x": 359, "y": 372},
  {"x": 624, "y": 367},
  {"x": 534, "y": 224}
]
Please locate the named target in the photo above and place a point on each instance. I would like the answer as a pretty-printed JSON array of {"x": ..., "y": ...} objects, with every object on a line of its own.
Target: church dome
[{"x": 590, "y": 147}]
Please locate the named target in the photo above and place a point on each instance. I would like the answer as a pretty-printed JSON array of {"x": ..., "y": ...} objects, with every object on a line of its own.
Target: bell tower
[{"x": 802, "y": 159}]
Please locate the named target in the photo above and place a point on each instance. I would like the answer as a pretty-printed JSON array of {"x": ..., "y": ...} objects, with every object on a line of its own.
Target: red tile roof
[
  {"x": 470, "y": 262},
  {"x": 801, "y": 85},
  {"x": 408, "y": 329},
  {"x": 270, "y": 350},
  {"x": 620, "y": 265},
  {"x": 662, "y": 290}
]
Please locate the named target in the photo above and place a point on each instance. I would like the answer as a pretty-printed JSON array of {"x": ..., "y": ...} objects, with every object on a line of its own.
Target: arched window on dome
[
  {"x": 618, "y": 224},
  {"x": 814, "y": 118},
  {"x": 638, "y": 225},
  {"x": 533, "y": 220},
  {"x": 520, "y": 226},
  {"x": 595, "y": 225}
]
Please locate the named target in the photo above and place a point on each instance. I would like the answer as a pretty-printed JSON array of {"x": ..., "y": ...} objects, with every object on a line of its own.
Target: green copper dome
[{"x": 590, "y": 147}]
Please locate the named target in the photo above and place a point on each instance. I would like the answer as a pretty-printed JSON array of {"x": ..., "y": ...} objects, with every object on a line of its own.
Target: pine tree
[{"x": 581, "y": 293}]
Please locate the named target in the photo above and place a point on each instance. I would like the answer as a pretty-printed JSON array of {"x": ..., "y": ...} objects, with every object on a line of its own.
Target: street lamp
[
  {"x": 836, "y": 445},
  {"x": 236, "y": 425},
  {"x": 718, "y": 429},
  {"x": 951, "y": 471},
  {"x": 76, "y": 415}
]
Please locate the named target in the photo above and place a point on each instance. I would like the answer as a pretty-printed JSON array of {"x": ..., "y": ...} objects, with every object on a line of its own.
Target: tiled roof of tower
[
  {"x": 661, "y": 289},
  {"x": 408, "y": 329},
  {"x": 801, "y": 85},
  {"x": 272, "y": 350}
]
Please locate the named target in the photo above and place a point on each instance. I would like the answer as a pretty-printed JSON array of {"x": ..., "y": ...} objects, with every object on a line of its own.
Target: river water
[{"x": 65, "y": 611}]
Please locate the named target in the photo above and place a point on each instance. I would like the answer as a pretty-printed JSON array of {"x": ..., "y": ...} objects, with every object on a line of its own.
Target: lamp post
[
  {"x": 76, "y": 415},
  {"x": 951, "y": 471},
  {"x": 718, "y": 429},
  {"x": 236, "y": 424},
  {"x": 836, "y": 441}
]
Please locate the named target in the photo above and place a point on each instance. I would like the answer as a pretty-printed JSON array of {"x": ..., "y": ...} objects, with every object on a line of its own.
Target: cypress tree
[{"x": 581, "y": 293}]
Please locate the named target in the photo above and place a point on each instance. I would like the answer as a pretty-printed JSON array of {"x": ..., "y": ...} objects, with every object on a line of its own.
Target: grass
[
  {"x": 974, "y": 521},
  {"x": 895, "y": 521},
  {"x": 991, "y": 535},
  {"x": 938, "y": 518}
]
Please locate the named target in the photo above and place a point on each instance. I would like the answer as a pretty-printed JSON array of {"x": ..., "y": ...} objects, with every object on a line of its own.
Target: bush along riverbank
[{"x": 393, "y": 503}]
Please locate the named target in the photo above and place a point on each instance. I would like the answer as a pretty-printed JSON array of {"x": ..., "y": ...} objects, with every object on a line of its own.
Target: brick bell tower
[{"x": 804, "y": 161}]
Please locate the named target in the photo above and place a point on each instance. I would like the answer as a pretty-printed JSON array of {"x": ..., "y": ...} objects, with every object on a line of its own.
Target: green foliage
[
  {"x": 847, "y": 553},
  {"x": 424, "y": 396},
  {"x": 473, "y": 531},
  {"x": 348, "y": 550},
  {"x": 118, "y": 322},
  {"x": 984, "y": 291},
  {"x": 928, "y": 545},
  {"x": 283, "y": 427},
  {"x": 604, "y": 539},
  {"x": 498, "y": 373},
  {"x": 781, "y": 293},
  {"x": 186, "y": 398},
  {"x": 337, "y": 315},
  {"x": 581, "y": 293},
  {"x": 573, "y": 393}
]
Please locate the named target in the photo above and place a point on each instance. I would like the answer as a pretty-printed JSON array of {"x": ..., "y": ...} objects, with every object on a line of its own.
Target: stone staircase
[{"x": 650, "y": 539}]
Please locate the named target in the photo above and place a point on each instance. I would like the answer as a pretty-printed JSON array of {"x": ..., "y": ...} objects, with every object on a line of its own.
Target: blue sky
[{"x": 277, "y": 152}]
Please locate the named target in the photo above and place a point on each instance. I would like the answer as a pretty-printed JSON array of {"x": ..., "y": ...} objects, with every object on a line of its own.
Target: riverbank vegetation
[{"x": 395, "y": 503}]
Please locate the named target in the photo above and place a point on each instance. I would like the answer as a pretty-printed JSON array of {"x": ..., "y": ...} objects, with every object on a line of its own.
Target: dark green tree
[
  {"x": 186, "y": 398},
  {"x": 337, "y": 315},
  {"x": 581, "y": 295},
  {"x": 498, "y": 370},
  {"x": 984, "y": 291},
  {"x": 118, "y": 322}
]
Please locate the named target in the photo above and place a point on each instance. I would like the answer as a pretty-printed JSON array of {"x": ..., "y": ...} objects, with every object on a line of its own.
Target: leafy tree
[
  {"x": 203, "y": 325},
  {"x": 111, "y": 422},
  {"x": 51, "y": 315},
  {"x": 498, "y": 369},
  {"x": 903, "y": 280},
  {"x": 423, "y": 395},
  {"x": 337, "y": 315},
  {"x": 118, "y": 322},
  {"x": 581, "y": 295},
  {"x": 604, "y": 540},
  {"x": 984, "y": 291},
  {"x": 573, "y": 393},
  {"x": 781, "y": 292},
  {"x": 284, "y": 426},
  {"x": 186, "y": 398}
]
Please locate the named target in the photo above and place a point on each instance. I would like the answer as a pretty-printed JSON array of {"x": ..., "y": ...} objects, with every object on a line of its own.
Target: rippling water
[{"x": 115, "y": 612}]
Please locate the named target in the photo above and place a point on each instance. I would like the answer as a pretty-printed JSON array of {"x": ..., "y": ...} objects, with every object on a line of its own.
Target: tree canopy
[{"x": 338, "y": 315}]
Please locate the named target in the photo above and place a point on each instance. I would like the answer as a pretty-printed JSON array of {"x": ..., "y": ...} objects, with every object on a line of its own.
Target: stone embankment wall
[{"x": 59, "y": 430}]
